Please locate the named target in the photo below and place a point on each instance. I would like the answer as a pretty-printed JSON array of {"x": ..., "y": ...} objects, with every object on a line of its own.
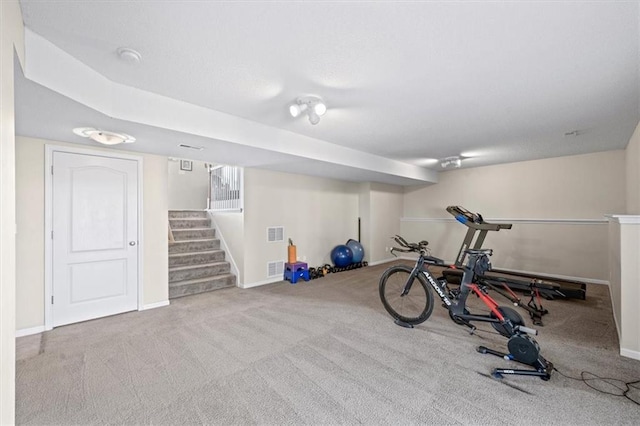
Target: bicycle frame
[
  {"x": 506, "y": 321},
  {"x": 457, "y": 306}
]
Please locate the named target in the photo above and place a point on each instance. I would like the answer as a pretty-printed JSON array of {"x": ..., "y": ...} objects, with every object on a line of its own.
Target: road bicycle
[{"x": 407, "y": 295}]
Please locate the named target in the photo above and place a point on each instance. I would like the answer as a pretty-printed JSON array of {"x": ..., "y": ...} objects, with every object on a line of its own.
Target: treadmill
[{"x": 547, "y": 286}]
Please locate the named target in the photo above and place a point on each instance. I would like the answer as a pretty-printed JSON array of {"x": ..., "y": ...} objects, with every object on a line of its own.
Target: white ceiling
[{"x": 405, "y": 81}]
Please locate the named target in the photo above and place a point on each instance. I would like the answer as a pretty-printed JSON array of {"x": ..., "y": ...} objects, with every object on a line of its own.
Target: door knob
[{"x": 132, "y": 243}]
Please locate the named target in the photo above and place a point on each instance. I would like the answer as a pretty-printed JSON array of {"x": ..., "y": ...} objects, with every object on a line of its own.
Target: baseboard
[
  {"x": 390, "y": 259},
  {"x": 630, "y": 354},
  {"x": 259, "y": 283},
  {"x": 560, "y": 277},
  {"x": 29, "y": 331},
  {"x": 154, "y": 305}
]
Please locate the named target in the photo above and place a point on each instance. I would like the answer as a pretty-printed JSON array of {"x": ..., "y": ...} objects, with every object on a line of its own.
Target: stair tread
[
  {"x": 191, "y": 229},
  {"x": 188, "y": 218},
  {"x": 199, "y": 280},
  {"x": 199, "y": 265},
  {"x": 192, "y": 241},
  {"x": 193, "y": 253}
]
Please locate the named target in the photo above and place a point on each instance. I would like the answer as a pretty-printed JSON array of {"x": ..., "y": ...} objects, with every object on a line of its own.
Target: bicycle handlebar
[
  {"x": 409, "y": 247},
  {"x": 420, "y": 247}
]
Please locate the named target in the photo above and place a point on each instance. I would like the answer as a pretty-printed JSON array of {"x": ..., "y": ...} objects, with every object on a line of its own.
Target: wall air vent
[
  {"x": 275, "y": 269},
  {"x": 197, "y": 148},
  {"x": 275, "y": 234}
]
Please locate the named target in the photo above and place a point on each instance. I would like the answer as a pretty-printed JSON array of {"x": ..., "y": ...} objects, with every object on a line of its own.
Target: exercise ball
[
  {"x": 341, "y": 256},
  {"x": 357, "y": 250}
]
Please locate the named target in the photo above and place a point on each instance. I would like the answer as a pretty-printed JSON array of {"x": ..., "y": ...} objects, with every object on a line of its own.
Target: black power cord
[{"x": 623, "y": 387}]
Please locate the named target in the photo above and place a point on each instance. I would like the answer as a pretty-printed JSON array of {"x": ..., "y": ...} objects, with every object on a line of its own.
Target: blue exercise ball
[
  {"x": 341, "y": 256},
  {"x": 357, "y": 250}
]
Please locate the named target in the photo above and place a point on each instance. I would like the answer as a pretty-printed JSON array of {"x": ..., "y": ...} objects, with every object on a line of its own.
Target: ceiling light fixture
[
  {"x": 313, "y": 106},
  {"x": 451, "y": 162},
  {"x": 104, "y": 137}
]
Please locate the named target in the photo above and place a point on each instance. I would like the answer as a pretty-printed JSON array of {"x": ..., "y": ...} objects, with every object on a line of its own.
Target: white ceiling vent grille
[
  {"x": 275, "y": 269},
  {"x": 275, "y": 234}
]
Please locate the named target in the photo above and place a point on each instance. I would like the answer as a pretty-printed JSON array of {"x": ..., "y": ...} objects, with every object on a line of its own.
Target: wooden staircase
[{"x": 196, "y": 263}]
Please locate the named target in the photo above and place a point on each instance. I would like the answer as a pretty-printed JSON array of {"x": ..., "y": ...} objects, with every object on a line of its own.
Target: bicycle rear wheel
[{"x": 414, "y": 307}]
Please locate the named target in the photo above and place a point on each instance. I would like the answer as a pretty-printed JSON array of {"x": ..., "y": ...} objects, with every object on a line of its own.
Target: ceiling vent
[{"x": 198, "y": 148}]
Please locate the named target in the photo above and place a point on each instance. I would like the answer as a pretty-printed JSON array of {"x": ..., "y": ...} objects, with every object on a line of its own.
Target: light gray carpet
[{"x": 319, "y": 352}]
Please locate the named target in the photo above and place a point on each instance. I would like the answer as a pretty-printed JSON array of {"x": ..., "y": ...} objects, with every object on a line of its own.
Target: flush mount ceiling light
[
  {"x": 313, "y": 106},
  {"x": 451, "y": 162},
  {"x": 104, "y": 137}
]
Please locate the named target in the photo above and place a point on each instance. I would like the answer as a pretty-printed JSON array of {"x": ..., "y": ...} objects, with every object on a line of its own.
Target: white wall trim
[
  {"x": 615, "y": 320},
  {"x": 225, "y": 247},
  {"x": 154, "y": 305},
  {"x": 48, "y": 220},
  {"x": 625, "y": 219},
  {"x": 29, "y": 331},
  {"x": 522, "y": 221},
  {"x": 630, "y": 354},
  {"x": 264, "y": 282}
]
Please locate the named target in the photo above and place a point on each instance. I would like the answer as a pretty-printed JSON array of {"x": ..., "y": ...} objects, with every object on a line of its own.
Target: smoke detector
[{"x": 129, "y": 55}]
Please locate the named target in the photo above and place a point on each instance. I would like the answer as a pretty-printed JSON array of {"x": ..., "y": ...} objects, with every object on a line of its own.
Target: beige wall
[
  {"x": 633, "y": 173},
  {"x": 364, "y": 211},
  {"x": 230, "y": 228},
  {"x": 386, "y": 207},
  {"x": 316, "y": 213},
  {"x": 380, "y": 209},
  {"x": 11, "y": 36},
  {"x": 188, "y": 190},
  {"x": 30, "y": 164},
  {"x": 155, "y": 222},
  {"x": 554, "y": 191}
]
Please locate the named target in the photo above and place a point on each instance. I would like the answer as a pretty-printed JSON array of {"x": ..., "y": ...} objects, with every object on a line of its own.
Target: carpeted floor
[{"x": 319, "y": 352}]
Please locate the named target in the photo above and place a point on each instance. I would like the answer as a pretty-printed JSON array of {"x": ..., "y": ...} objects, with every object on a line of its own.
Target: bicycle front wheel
[{"x": 412, "y": 308}]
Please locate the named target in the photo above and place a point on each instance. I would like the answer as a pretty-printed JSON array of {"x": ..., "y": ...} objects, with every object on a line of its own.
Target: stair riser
[
  {"x": 187, "y": 213},
  {"x": 215, "y": 284},
  {"x": 189, "y": 223},
  {"x": 191, "y": 246},
  {"x": 196, "y": 273},
  {"x": 196, "y": 259},
  {"x": 188, "y": 234}
]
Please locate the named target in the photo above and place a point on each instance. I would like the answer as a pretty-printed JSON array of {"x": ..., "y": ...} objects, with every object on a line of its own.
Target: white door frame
[{"x": 48, "y": 220}]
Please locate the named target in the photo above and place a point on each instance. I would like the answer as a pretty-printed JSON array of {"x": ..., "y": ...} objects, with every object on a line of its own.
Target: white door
[{"x": 95, "y": 237}]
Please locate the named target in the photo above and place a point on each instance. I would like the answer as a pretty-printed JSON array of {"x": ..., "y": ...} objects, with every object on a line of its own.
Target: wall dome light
[
  {"x": 104, "y": 137},
  {"x": 313, "y": 106}
]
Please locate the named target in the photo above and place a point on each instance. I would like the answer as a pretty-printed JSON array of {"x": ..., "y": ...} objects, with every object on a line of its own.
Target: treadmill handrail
[{"x": 467, "y": 218}]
